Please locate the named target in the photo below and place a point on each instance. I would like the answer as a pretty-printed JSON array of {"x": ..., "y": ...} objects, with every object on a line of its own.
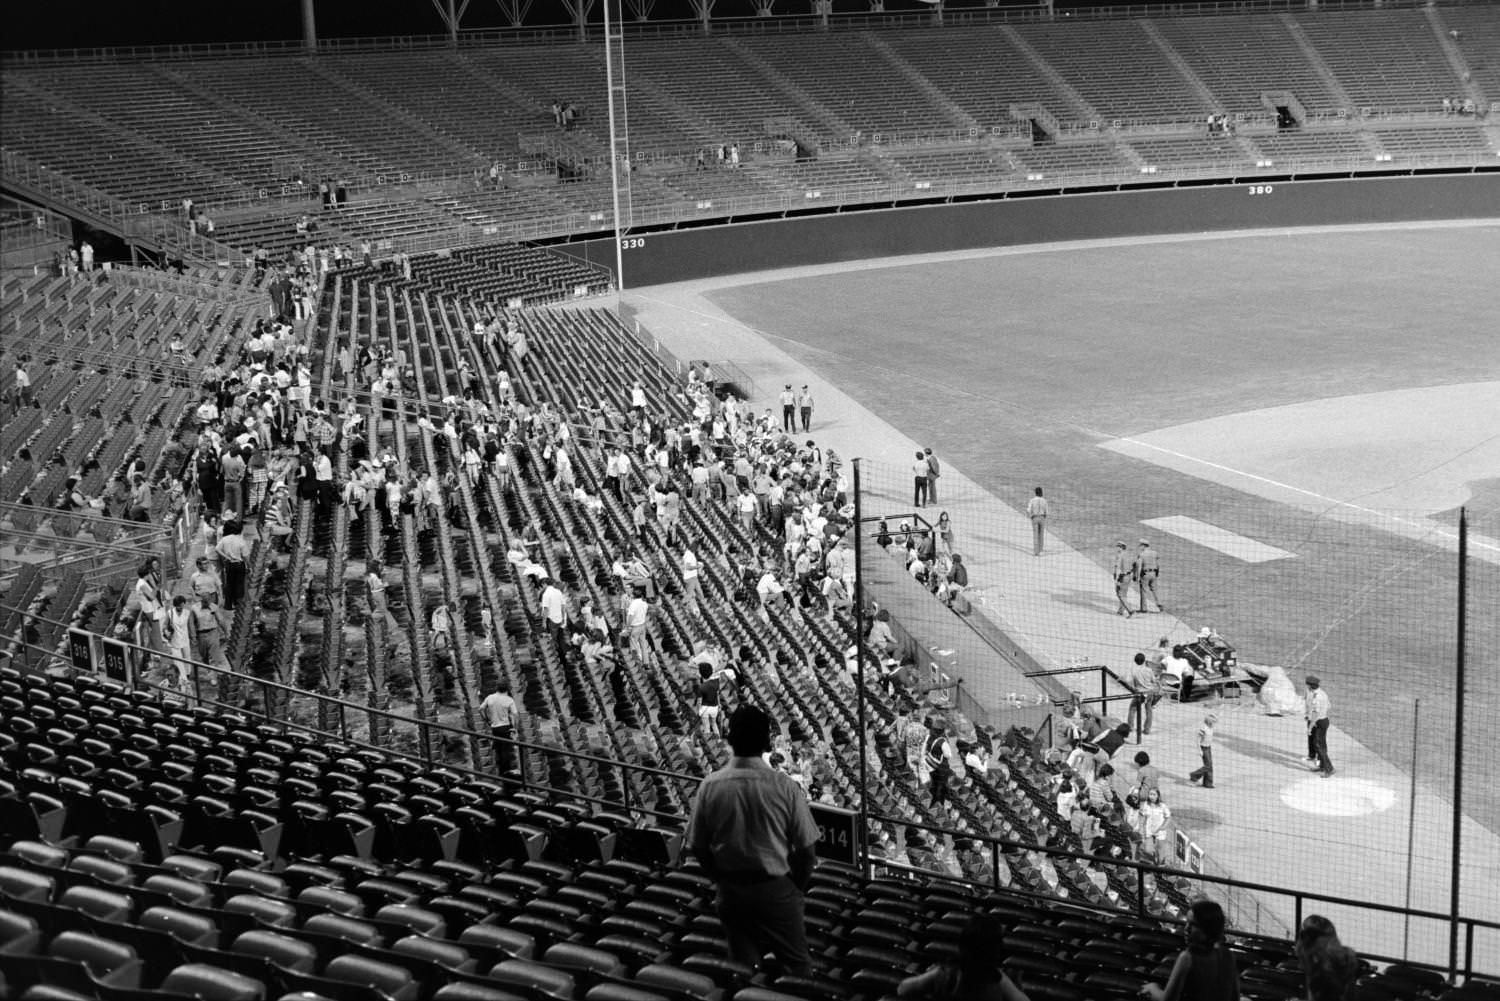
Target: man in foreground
[{"x": 753, "y": 833}]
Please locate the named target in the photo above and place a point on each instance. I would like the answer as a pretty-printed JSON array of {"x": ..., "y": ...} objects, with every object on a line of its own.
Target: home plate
[{"x": 1338, "y": 797}]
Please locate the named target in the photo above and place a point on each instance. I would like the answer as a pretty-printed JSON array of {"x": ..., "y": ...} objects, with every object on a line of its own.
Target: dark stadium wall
[{"x": 679, "y": 255}]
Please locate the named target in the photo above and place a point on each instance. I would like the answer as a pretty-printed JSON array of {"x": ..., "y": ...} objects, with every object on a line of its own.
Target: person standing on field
[{"x": 1036, "y": 510}]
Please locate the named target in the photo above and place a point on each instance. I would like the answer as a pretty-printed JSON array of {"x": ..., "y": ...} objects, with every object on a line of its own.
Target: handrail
[
  {"x": 677, "y": 27},
  {"x": 268, "y": 685},
  {"x": 998, "y": 845}
]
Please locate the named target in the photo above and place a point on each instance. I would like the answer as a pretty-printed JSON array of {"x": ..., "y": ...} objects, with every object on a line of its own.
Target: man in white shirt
[
  {"x": 499, "y": 711},
  {"x": 692, "y": 586},
  {"x": 554, "y": 609},
  {"x": 1036, "y": 510},
  {"x": 636, "y": 615},
  {"x": 1318, "y": 708}
]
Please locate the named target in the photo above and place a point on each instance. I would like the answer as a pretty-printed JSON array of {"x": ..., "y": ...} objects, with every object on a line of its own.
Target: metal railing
[
  {"x": 270, "y": 707},
  {"x": 1144, "y": 873},
  {"x": 953, "y": 13}
]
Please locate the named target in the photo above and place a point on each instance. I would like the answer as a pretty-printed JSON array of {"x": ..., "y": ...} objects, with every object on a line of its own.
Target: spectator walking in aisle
[
  {"x": 207, "y": 635},
  {"x": 554, "y": 610},
  {"x": 1147, "y": 568},
  {"x": 23, "y": 386},
  {"x": 934, "y": 471},
  {"x": 753, "y": 833},
  {"x": 788, "y": 410},
  {"x": 499, "y": 711},
  {"x": 1205, "y": 772},
  {"x": 233, "y": 551},
  {"x": 1145, "y": 681},
  {"x": 1205, "y": 970},
  {"x": 178, "y": 630},
  {"x": 1318, "y": 708},
  {"x": 204, "y": 582},
  {"x": 805, "y": 408},
  {"x": 1036, "y": 510},
  {"x": 919, "y": 480},
  {"x": 976, "y": 974},
  {"x": 1153, "y": 824},
  {"x": 1123, "y": 569}
]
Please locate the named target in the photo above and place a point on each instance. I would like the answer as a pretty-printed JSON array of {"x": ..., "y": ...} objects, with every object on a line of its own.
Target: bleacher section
[
  {"x": 1385, "y": 60},
  {"x": 1241, "y": 58},
  {"x": 244, "y": 860},
  {"x": 413, "y": 132}
]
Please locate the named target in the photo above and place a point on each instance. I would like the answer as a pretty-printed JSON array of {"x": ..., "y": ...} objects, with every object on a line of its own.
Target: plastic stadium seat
[
  {"x": 262, "y": 883},
  {"x": 212, "y": 984},
  {"x": 763, "y": 994},
  {"x": 268, "y": 911},
  {"x": 116, "y": 848},
  {"x": 280, "y": 950},
  {"x": 535, "y": 980},
  {"x": 101, "y": 905},
  {"x": 418, "y": 919},
  {"x": 19, "y": 934},
  {"x": 187, "y": 892},
  {"x": 326, "y": 898},
  {"x": 677, "y": 982},
  {"x": 444, "y": 954},
  {"x": 508, "y": 941},
  {"x": 720, "y": 969},
  {"x": 348, "y": 929},
  {"x": 462, "y": 991},
  {"x": 622, "y": 992},
  {"x": 581, "y": 958},
  {"x": 185, "y": 926},
  {"x": 23, "y": 884},
  {"x": 102, "y": 870},
  {"x": 106, "y": 961},
  {"x": 39, "y": 855},
  {"x": 389, "y": 979}
]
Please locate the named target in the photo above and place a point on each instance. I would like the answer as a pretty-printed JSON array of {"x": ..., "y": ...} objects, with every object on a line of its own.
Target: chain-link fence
[{"x": 1252, "y": 599}]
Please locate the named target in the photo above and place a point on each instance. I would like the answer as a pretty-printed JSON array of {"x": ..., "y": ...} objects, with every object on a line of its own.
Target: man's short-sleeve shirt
[{"x": 748, "y": 818}]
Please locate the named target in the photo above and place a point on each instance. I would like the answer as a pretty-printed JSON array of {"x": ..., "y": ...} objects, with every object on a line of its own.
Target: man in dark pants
[
  {"x": 499, "y": 711},
  {"x": 1206, "y": 750},
  {"x": 1123, "y": 569},
  {"x": 1318, "y": 708},
  {"x": 753, "y": 833}
]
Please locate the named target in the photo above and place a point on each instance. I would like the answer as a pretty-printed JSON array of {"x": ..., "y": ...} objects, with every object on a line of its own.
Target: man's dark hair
[
  {"x": 749, "y": 732},
  {"x": 1140, "y": 658}
]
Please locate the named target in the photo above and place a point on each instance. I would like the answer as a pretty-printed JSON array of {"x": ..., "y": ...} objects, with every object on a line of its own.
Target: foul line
[{"x": 1426, "y": 527}]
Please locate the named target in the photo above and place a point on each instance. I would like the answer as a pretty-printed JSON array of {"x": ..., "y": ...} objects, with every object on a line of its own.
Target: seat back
[{"x": 213, "y": 984}]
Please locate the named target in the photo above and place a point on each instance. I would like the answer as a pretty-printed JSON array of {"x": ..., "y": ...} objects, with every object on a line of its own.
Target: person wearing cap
[
  {"x": 752, "y": 831},
  {"x": 788, "y": 410},
  {"x": 1122, "y": 570},
  {"x": 1147, "y": 569},
  {"x": 1206, "y": 749},
  {"x": 805, "y": 408},
  {"x": 1318, "y": 708}
]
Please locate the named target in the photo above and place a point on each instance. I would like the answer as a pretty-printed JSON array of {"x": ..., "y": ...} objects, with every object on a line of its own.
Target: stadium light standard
[{"x": 614, "y": 160}]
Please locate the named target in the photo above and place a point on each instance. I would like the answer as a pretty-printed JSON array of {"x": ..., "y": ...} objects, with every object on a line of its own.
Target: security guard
[
  {"x": 1147, "y": 569},
  {"x": 1124, "y": 569}
]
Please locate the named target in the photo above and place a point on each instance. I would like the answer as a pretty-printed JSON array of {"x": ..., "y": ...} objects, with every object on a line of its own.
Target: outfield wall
[{"x": 677, "y": 255}]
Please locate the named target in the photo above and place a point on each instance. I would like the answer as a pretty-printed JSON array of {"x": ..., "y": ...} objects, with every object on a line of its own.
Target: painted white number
[
  {"x": 1261, "y": 189},
  {"x": 633, "y": 243}
]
